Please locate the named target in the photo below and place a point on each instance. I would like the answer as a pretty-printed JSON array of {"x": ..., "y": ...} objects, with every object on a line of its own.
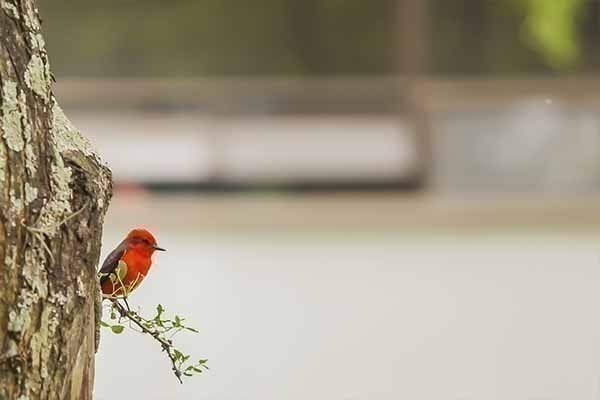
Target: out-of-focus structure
[
  {"x": 463, "y": 262},
  {"x": 443, "y": 134},
  {"x": 451, "y": 96}
]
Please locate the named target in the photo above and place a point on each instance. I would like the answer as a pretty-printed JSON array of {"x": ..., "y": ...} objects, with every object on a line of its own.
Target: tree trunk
[{"x": 54, "y": 192}]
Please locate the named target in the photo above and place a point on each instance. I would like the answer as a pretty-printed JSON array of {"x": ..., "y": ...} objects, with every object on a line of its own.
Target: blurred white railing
[{"x": 454, "y": 135}]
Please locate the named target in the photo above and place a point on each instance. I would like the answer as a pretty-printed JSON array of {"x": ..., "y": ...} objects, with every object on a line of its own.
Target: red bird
[{"x": 128, "y": 264}]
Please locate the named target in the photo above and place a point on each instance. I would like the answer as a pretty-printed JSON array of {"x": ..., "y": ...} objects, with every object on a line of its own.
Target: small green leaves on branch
[
  {"x": 117, "y": 328},
  {"x": 166, "y": 326},
  {"x": 162, "y": 329}
]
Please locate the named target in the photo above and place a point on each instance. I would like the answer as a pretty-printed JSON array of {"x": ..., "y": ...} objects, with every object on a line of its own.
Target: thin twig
[
  {"x": 166, "y": 345},
  {"x": 39, "y": 232},
  {"x": 48, "y": 228}
]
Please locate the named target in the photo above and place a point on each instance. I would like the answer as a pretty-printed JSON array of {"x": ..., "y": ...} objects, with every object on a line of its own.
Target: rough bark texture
[{"x": 53, "y": 195}]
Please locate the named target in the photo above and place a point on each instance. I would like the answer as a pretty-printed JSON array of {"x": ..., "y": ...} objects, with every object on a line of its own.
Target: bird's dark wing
[{"x": 111, "y": 262}]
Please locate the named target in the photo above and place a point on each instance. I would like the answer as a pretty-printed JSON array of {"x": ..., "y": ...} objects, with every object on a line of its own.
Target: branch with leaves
[{"x": 161, "y": 329}]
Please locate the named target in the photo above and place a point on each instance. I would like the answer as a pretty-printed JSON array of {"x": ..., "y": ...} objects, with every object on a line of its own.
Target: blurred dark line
[{"x": 407, "y": 185}]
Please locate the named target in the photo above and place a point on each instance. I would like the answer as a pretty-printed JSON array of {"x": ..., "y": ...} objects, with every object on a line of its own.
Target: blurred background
[{"x": 361, "y": 199}]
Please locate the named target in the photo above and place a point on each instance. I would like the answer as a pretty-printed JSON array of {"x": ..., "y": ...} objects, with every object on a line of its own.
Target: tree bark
[{"x": 54, "y": 192}]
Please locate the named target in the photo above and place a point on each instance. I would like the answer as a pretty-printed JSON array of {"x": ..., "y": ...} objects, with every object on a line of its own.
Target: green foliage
[
  {"x": 162, "y": 328},
  {"x": 217, "y": 37},
  {"x": 307, "y": 37},
  {"x": 117, "y": 329},
  {"x": 164, "y": 325},
  {"x": 550, "y": 27}
]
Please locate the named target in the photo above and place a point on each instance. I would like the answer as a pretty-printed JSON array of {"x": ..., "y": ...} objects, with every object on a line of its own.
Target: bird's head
[{"x": 143, "y": 241}]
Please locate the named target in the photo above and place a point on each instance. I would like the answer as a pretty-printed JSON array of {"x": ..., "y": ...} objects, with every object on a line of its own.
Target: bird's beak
[{"x": 159, "y": 248}]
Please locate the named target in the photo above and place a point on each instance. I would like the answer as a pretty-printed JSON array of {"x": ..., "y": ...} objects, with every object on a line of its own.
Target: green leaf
[
  {"x": 551, "y": 28},
  {"x": 177, "y": 354},
  {"x": 117, "y": 329},
  {"x": 104, "y": 324}
]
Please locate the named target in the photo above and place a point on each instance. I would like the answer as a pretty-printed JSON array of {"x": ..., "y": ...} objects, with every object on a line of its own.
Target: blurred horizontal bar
[
  {"x": 158, "y": 148},
  {"x": 314, "y": 96},
  {"x": 357, "y": 212},
  {"x": 234, "y": 96},
  {"x": 442, "y": 95},
  {"x": 454, "y": 135}
]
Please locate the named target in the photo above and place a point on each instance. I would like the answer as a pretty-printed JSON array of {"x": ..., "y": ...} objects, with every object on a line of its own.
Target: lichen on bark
[
  {"x": 37, "y": 75},
  {"x": 54, "y": 191},
  {"x": 12, "y": 115}
]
